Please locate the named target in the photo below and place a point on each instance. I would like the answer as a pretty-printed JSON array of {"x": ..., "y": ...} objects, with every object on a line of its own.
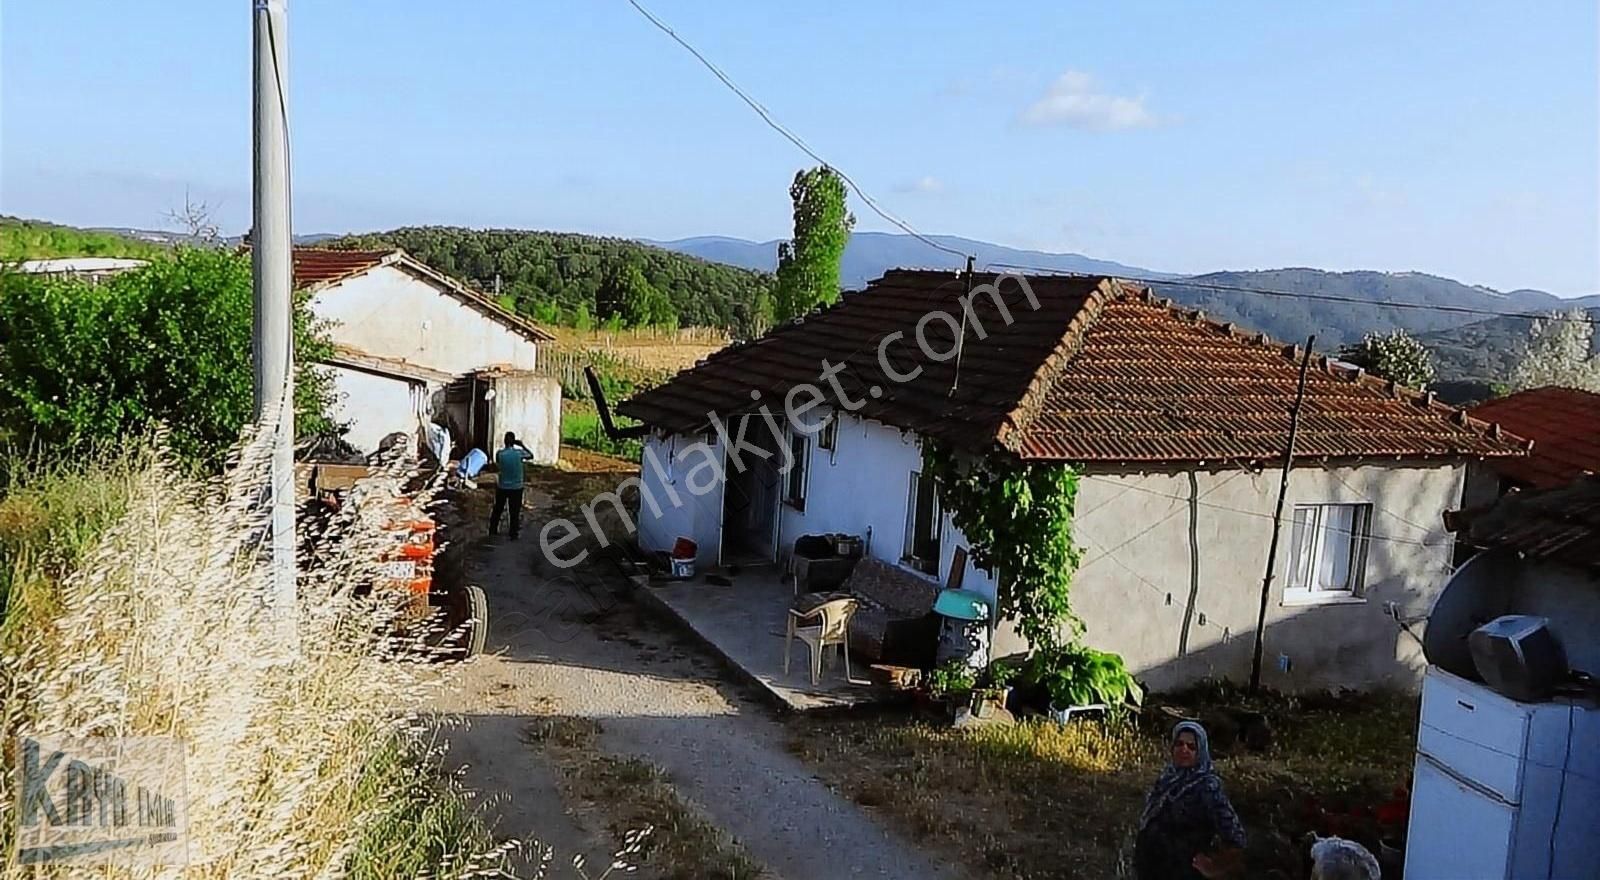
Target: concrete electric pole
[{"x": 273, "y": 270}]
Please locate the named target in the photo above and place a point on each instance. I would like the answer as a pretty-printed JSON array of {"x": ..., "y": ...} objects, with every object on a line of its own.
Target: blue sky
[{"x": 1454, "y": 138}]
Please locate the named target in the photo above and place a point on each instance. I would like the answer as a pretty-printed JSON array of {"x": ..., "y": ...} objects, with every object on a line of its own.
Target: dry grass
[
  {"x": 633, "y": 794},
  {"x": 1040, "y": 801},
  {"x": 649, "y": 348},
  {"x": 299, "y": 763}
]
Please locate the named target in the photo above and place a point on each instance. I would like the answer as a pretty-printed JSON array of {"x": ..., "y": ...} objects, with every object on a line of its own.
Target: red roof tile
[
  {"x": 314, "y": 266},
  {"x": 1099, "y": 372},
  {"x": 1564, "y": 425}
]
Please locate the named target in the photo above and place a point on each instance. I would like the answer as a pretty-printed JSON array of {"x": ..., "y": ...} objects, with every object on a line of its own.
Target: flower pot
[{"x": 1063, "y": 714}]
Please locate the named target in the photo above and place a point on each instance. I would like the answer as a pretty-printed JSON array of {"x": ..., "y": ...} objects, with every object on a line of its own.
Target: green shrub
[
  {"x": 84, "y": 363},
  {"x": 1077, "y": 675}
]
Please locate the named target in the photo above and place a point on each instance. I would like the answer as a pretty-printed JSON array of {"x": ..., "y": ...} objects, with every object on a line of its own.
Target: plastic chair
[{"x": 832, "y": 627}]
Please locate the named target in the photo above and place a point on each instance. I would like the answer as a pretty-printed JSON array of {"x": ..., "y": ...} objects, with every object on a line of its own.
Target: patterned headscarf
[{"x": 1174, "y": 781}]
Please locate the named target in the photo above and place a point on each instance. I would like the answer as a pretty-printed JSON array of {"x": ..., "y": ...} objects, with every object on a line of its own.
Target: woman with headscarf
[{"x": 1188, "y": 829}]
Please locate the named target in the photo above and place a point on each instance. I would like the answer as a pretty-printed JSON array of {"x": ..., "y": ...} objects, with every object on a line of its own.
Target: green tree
[
  {"x": 582, "y": 320},
  {"x": 82, "y": 362},
  {"x": 808, "y": 266},
  {"x": 760, "y": 319},
  {"x": 638, "y": 301},
  {"x": 1397, "y": 356}
]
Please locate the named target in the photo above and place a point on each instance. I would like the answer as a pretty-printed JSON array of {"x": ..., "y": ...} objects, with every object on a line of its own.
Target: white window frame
[{"x": 1308, "y": 593}]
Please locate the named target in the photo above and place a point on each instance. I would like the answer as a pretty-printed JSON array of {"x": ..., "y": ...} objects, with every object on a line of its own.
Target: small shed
[
  {"x": 413, "y": 344},
  {"x": 479, "y": 408}
]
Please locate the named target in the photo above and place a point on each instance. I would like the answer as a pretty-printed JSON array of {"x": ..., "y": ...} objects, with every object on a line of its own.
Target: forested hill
[
  {"x": 38, "y": 240},
  {"x": 565, "y": 278}
]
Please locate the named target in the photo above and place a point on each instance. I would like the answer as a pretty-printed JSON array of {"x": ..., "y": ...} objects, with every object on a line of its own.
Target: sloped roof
[
  {"x": 1564, "y": 425},
  {"x": 319, "y": 268},
  {"x": 316, "y": 267},
  {"x": 356, "y": 359},
  {"x": 1100, "y": 371},
  {"x": 1560, "y": 524}
]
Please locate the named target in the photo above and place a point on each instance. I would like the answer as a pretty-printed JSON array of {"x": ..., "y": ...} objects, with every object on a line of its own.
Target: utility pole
[
  {"x": 1277, "y": 519},
  {"x": 273, "y": 276}
]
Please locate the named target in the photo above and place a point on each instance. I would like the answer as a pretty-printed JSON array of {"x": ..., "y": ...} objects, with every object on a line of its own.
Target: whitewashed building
[
  {"x": 1178, "y": 426},
  {"x": 412, "y": 343}
]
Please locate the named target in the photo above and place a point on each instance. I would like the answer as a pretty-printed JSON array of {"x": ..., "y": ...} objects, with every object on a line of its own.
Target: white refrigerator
[{"x": 1503, "y": 790}]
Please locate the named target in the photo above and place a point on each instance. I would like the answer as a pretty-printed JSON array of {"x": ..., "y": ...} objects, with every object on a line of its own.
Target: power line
[
  {"x": 775, "y": 125},
  {"x": 1241, "y": 511},
  {"x": 1291, "y": 294}
]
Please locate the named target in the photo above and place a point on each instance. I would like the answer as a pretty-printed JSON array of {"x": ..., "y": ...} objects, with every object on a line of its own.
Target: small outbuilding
[{"x": 412, "y": 343}]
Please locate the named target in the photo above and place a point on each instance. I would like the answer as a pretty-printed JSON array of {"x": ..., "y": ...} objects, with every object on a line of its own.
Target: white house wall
[
  {"x": 1141, "y": 561},
  {"x": 375, "y": 406},
  {"x": 682, "y": 513},
  {"x": 530, "y": 406},
  {"x": 860, "y": 488},
  {"x": 389, "y": 313},
  {"x": 863, "y": 486}
]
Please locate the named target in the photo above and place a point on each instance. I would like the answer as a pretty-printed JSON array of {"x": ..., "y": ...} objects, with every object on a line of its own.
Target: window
[
  {"x": 922, "y": 524},
  {"x": 1328, "y": 552},
  {"x": 828, "y": 437},
  {"x": 794, "y": 487}
]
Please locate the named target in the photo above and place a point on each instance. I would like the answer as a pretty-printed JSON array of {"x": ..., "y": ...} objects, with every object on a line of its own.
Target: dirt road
[{"x": 574, "y": 645}]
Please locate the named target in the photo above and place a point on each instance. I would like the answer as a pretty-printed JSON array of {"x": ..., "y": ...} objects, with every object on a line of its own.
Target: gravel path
[{"x": 569, "y": 645}]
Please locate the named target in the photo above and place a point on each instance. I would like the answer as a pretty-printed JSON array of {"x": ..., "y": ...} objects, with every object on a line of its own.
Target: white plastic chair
[{"x": 832, "y": 627}]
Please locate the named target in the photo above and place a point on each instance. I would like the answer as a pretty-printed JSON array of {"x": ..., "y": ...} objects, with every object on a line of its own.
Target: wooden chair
[{"x": 831, "y": 627}]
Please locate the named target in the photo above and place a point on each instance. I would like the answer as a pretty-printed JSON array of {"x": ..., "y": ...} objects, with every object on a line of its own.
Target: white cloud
[
  {"x": 924, "y": 184},
  {"x": 1072, "y": 100}
]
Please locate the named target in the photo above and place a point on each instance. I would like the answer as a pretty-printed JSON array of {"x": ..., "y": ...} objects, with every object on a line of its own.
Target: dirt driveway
[{"x": 572, "y": 644}]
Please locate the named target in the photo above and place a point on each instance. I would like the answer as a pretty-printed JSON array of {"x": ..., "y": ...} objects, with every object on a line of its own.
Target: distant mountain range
[{"x": 870, "y": 254}]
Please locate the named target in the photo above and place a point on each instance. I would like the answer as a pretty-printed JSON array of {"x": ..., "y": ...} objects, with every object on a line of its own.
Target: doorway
[{"x": 750, "y": 497}]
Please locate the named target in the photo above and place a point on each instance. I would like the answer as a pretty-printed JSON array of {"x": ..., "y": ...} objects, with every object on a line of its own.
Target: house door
[{"x": 750, "y": 498}]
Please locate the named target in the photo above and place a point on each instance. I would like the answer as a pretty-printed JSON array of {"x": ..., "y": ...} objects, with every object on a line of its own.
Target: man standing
[{"x": 508, "y": 488}]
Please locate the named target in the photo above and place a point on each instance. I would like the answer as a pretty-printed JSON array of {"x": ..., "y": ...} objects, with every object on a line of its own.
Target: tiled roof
[
  {"x": 1560, "y": 524},
  {"x": 1099, "y": 372},
  {"x": 1564, "y": 425},
  {"x": 317, "y": 266},
  {"x": 323, "y": 267}
]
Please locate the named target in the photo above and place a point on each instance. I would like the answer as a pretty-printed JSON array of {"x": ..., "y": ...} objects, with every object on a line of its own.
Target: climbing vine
[{"x": 1017, "y": 519}]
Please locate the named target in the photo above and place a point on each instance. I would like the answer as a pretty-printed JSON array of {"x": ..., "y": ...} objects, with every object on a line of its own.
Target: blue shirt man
[{"x": 510, "y": 461}]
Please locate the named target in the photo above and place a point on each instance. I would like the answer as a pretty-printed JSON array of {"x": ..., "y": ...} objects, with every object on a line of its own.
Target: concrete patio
[{"x": 745, "y": 624}]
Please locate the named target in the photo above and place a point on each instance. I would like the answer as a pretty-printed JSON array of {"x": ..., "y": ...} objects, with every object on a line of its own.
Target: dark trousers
[{"x": 502, "y": 497}]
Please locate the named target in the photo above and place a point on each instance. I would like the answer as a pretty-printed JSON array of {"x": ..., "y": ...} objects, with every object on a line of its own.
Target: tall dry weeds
[{"x": 298, "y": 761}]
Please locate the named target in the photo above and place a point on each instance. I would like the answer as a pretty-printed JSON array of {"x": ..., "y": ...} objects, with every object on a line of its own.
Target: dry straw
[{"x": 296, "y": 759}]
